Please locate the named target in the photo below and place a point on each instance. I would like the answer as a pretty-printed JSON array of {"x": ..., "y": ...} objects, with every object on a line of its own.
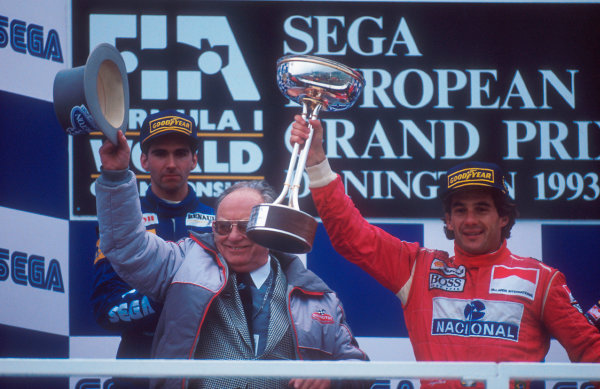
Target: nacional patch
[
  {"x": 514, "y": 281},
  {"x": 476, "y": 318}
]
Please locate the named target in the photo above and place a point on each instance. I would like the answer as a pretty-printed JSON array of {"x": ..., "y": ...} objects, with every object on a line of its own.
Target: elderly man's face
[{"x": 241, "y": 254}]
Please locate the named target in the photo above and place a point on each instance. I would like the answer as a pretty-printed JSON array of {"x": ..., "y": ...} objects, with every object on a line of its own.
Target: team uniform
[
  {"x": 496, "y": 307},
  {"x": 118, "y": 307}
]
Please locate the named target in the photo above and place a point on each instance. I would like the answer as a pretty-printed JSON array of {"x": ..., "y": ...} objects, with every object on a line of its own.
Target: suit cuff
[
  {"x": 114, "y": 178},
  {"x": 320, "y": 174}
]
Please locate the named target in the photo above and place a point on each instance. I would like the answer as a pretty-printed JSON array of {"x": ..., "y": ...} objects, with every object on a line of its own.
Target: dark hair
[
  {"x": 503, "y": 204},
  {"x": 261, "y": 186}
]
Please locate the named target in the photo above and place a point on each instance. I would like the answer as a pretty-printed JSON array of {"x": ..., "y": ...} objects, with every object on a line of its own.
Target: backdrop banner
[{"x": 515, "y": 84}]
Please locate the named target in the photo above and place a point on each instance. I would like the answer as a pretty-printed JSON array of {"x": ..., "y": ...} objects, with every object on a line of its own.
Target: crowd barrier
[{"x": 495, "y": 375}]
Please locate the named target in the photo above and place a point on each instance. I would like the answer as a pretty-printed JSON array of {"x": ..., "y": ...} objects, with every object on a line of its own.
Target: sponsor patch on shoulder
[
  {"x": 572, "y": 299},
  {"x": 594, "y": 313},
  {"x": 322, "y": 317},
  {"x": 514, "y": 281}
]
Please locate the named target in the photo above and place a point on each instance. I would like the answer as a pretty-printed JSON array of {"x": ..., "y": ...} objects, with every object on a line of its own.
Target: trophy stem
[
  {"x": 295, "y": 189},
  {"x": 288, "y": 177}
]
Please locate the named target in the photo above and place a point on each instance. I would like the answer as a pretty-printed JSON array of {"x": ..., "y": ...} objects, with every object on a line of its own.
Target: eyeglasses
[{"x": 224, "y": 227}]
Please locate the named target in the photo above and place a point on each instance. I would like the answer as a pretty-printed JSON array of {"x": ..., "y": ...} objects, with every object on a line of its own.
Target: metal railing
[{"x": 495, "y": 375}]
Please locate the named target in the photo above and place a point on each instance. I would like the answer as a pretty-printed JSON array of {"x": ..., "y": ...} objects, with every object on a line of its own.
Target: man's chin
[
  {"x": 236, "y": 257},
  {"x": 471, "y": 247}
]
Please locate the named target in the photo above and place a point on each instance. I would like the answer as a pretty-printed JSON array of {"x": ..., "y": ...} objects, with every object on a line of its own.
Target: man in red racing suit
[{"x": 482, "y": 304}]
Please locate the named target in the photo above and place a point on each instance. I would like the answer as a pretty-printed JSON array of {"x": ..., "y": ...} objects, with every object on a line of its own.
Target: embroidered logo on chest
[
  {"x": 198, "y": 219},
  {"x": 514, "y": 281},
  {"x": 445, "y": 277},
  {"x": 150, "y": 219},
  {"x": 322, "y": 317}
]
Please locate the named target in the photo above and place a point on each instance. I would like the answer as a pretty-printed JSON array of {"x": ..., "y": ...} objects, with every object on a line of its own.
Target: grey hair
[{"x": 261, "y": 186}]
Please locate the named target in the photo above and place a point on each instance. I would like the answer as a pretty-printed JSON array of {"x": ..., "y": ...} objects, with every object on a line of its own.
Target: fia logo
[{"x": 202, "y": 47}]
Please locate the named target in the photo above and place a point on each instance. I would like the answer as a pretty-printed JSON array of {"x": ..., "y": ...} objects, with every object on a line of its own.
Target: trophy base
[{"x": 282, "y": 228}]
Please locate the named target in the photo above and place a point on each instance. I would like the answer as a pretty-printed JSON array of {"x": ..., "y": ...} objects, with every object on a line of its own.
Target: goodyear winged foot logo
[
  {"x": 171, "y": 123},
  {"x": 471, "y": 176}
]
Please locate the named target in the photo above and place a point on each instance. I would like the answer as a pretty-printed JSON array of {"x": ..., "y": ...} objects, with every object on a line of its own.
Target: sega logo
[
  {"x": 26, "y": 38},
  {"x": 30, "y": 270},
  {"x": 133, "y": 310}
]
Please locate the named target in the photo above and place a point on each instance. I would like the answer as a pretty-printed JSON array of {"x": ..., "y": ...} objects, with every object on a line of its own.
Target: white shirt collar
[{"x": 260, "y": 275}]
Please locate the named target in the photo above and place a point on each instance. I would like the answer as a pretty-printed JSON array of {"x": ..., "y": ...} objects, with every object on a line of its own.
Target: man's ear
[
  {"x": 447, "y": 221},
  {"x": 194, "y": 159},
  {"x": 503, "y": 221},
  {"x": 144, "y": 161}
]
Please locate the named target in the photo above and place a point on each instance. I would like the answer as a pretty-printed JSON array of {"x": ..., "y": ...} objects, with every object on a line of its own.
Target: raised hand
[{"x": 115, "y": 157}]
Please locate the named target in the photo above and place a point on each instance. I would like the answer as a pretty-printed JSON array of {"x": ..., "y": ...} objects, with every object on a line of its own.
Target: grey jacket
[{"x": 189, "y": 274}]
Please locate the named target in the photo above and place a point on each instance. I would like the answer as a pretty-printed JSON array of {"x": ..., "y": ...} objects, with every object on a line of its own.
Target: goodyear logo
[
  {"x": 477, "y": 176},
  {"x": 170, "y": 123}
]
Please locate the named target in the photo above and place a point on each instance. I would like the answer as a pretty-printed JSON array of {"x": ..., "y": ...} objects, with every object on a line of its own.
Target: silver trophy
[{"x": 317, "y": 84}]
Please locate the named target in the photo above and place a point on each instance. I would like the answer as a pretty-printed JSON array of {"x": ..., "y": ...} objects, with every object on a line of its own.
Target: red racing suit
[{"x": 497, "y": 307}]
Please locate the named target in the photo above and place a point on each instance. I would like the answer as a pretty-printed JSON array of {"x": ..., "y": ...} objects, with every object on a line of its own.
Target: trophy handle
[
  {"x": 297, "y": 170},
  {"x": 304, "y": 154}
]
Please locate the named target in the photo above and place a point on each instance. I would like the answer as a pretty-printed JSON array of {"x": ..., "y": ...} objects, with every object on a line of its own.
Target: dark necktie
[{"x": 244, "y": 284}]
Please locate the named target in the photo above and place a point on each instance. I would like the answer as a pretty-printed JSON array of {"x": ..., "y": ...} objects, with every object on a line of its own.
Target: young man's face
[
  {"x": 475, "y": 222},
  {"x": 169, "y": 161},
  {"x": 241, "y": 254}
]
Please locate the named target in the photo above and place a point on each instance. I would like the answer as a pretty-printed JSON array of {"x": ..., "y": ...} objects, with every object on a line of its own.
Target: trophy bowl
[{"x": 317, "y": 84}]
